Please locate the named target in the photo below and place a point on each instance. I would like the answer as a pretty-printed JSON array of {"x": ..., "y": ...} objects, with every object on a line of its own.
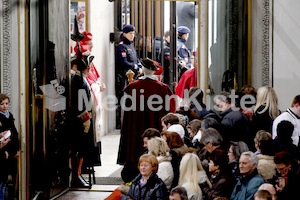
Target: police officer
[
  {"x": 127, "y": 58},
  {"x": 183, "y": 52}
]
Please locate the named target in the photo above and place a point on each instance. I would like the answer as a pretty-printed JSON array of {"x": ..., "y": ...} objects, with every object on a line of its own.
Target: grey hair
[
  {"x": 181, "y": 191},
  {"x": 148, "y": 71},
  {"x": 208, "y": 123},
  {"x": 211, "y": 135},
  {"x": 183, "y": 118},
  {"x": 252, "y": 157}
]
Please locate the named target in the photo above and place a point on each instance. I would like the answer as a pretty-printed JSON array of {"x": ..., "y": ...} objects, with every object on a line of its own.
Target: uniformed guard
[
  {"x": 184, "y": 55},
  {"x": 126, "y": 58}
]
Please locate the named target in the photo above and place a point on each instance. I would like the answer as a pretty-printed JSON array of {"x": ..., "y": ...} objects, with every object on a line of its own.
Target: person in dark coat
[
  {"x": 137, "y": 120},
  {"x": 183, "y": 52},
  {"x": 147, "y": 185},
  {"x": 234, "y": 153},
  {"x": 7, "y": 124},
  {"x": 221, "y": 179},
  {"x": 166, "y": 58},
  {"x": 126, "y": 59},
  {"x": 187, "y": 12},
  {"x": 211, "y": 140},
  {"x": 236, "y": 123},
  {"x": 266, "y": 109},
  {"x": 9, "y": 151},
  {"x": 80, "y": 123},
  {"x": 287, "y": 177},
  {"x": 250, "y": 181},
  {"x": 199, "y": 108},
  {"x": 284, "y": 139}
]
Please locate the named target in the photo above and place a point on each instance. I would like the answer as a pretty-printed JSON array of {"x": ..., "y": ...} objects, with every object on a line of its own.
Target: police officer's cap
[
  {"x": 183, "y": 29},
  {"x": 128, "y": 28}
]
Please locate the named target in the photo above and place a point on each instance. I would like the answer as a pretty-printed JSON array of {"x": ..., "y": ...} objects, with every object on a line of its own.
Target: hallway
[{"x": 109, "y": 168}]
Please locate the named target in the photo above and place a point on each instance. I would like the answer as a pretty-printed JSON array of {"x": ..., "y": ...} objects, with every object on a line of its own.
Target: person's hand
[
  {"x": 2, "y": 134},
  {"x": 182, "y": 64},
  {"x": 278, "y": 189},
  {"x": 17, "y": 155},
  {"x": 140, "y": 72},
  {"x": 4, "y": 142},
  {"x": 86, "y": 125},
  {"x": 102, "y": 87},
  {"x": 6, "y": 154}
]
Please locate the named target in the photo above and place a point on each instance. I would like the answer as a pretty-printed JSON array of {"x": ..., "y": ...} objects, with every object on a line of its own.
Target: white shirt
[
  {"x": 197, "y": 137},
  {"x": 291, "y": 117}
]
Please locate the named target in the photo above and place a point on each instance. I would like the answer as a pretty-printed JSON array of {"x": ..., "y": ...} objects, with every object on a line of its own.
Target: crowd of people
[
  {"x": 232, "y": 153},
  {"x": 243, "y": 149}
]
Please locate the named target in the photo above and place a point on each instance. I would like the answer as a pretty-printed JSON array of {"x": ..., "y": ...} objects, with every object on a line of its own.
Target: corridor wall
[{"x": 286, "y": 50}]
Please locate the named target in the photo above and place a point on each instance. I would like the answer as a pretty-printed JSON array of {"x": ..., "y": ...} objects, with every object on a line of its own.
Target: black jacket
[
  {"x": 291, "y": 190},
  {"x": 262, "y": 121},
  {"x": 127, "y": 57},
  {"x": 12, "y": 146},
  {"x": 222, "y": 186},
  {"x": 237, "y": 127},
  {"x": 8, "y": 166},
  {"x": 154, "y": 189}
]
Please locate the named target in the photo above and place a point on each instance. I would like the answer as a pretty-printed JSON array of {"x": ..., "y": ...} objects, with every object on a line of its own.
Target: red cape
[
  {"x": 187, "y": 81},
  {"x": 136, "y": 122}
]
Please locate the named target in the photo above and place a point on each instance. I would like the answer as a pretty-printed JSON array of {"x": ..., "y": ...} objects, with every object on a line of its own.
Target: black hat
[
  {"x": 85, "y": 62},
  {"x": 149, "y": 64},
  {"x": 183, "y": 29},
  {"x": 73, "y": 60},
  {"x": 128, "y": 28}
]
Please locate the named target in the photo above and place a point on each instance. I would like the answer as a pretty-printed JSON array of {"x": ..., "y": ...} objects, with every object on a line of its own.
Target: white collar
[{"x": 153, "y": 77}]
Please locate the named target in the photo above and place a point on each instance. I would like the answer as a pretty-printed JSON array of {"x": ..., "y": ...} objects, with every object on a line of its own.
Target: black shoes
[{"x": 79, "y": 182}]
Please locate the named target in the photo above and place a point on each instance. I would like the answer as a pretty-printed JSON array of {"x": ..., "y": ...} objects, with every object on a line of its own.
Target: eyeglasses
[{"x": 281, "y": 169}]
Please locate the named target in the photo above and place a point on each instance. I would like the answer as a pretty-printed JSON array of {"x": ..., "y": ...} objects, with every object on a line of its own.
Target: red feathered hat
[
  {"x": 84, "y": 47},
  {"x": 87, "y": 36},
  {"x": 159, "y": 71}
]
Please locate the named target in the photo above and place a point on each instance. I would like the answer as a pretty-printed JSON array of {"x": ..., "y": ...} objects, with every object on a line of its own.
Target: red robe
[
  {"x": 187, "y": 81},
  {"x": 136, "y": 122},
  {"x": 93, "y": 75},
  {"x": 92, "y": 78}
]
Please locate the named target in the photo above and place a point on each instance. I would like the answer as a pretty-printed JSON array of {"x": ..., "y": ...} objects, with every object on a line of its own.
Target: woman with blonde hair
[
  {"x": 266, "y": 109},
  {"x": 159, "y": 148},
  {"x": 191, "y": 175},
  {"x": 177, "y": 150}
]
